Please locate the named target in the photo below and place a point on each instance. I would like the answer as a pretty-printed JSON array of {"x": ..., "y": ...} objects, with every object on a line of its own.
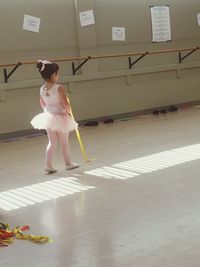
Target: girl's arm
[
  {"x": 63, "y": 98},
  {"x": 42, "y": 103}
]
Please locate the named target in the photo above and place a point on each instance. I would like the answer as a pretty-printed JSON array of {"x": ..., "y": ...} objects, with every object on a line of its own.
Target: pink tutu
[{"x": 55, "y": 122}]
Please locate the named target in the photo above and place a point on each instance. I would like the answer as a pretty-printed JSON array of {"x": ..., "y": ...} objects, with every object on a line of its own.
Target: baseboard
[{"x": 7, "y": 137}]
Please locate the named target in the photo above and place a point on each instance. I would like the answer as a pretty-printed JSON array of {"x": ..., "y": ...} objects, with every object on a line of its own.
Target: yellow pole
[{"x": 79, "y": 136}]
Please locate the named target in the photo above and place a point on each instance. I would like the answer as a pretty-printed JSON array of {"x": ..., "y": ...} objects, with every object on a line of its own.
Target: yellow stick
[{"x": 79, "y": 136}]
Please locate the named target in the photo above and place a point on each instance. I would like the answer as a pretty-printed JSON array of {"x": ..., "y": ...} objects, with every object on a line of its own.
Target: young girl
[{"x": 55, "y": 119}]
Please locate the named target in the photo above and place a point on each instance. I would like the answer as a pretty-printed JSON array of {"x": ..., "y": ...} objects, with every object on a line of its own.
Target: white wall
[{"x": 97, "y": 91}]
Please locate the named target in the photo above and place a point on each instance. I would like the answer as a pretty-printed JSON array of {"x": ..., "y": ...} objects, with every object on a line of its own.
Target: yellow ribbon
[
  {"x": 85, "y": 157},
  {"x": 34, "y": 238}
]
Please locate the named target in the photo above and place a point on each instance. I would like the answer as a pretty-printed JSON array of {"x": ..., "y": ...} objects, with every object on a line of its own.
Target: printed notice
[
  {"x": 87, "y": 18},
  {"x": 198, "y": 19},
  {"x": 118, "y": 33},
  {"x": 31, "y": 23},
  {"x": 161, "y": 28}
]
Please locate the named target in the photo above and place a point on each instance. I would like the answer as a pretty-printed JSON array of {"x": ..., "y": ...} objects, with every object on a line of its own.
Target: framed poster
[{"x": 160, "y": 21}]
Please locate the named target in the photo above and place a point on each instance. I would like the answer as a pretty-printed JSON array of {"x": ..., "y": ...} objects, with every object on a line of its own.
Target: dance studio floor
[{"x": 137, "y": 203}]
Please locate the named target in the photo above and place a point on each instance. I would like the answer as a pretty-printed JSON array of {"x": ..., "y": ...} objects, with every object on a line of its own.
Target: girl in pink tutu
[{"x": 55, "y": 119}]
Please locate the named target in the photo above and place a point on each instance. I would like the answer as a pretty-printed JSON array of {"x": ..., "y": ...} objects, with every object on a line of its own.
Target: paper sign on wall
[
  {"x": 31, "y": 23},
  {"x": 118, "y": 33},
  {"x": 87, "y": 18},
  {"x": 160, "y": 19},
  {"x": 198, "y": 18}
]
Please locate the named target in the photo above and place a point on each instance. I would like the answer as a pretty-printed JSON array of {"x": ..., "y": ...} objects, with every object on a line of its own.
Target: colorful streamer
[{"x": 7, "y": 235}]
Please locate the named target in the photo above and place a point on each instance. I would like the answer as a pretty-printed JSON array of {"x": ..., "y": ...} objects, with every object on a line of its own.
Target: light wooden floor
[{"x": 142, "y": 212}]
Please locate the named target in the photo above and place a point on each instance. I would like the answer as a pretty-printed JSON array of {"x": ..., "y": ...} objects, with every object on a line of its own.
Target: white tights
[{"x": 51, "y": 147}]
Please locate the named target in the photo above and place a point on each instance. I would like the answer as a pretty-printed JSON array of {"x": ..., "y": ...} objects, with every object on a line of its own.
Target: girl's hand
[
  {"x": 63, "y": 99},
  {"x": 42, "y": 103}
]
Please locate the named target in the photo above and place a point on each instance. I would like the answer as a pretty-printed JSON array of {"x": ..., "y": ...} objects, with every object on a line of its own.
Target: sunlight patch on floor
[
  {"x": 150, "y": 163},
  {"x": 38, "y": 193}
]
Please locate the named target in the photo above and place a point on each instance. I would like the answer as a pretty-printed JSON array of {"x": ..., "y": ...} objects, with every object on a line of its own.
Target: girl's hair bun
[
  {"x": 39, "y": 65},
  {"x": 47, "y": 68}
]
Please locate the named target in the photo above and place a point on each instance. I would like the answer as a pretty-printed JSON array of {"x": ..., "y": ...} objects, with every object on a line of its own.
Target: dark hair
[{"x": 47, "y": 69}]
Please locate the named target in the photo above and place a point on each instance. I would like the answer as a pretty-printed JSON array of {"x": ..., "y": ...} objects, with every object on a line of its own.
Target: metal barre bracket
[
  {"x": 181, "y": 58},
  {"x": 134, "y": 62},
  {"x": 75, "y": 69},
  {"x": 8, "y": 75}
]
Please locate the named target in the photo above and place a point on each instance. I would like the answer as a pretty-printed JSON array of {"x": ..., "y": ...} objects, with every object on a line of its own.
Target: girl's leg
[
  {"x": 51, "y": 147},
  {"x": 63, "y": 137}
]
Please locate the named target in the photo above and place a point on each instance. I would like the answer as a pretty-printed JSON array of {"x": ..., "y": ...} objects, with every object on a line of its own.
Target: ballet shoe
[
  {"x": 71, "y": 166},
  {"x": 91, "y": 123},
  {"x": 155, "y": 112},
  {"x": 163, "y": 111},
  {"x": 108, "y": 121},
  {"x": 172, "y": 109},
  {"x": 50, "y": 170}
]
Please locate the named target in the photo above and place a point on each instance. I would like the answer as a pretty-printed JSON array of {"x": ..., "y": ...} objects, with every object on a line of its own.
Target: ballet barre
[{"x": 83, "y": 60}]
